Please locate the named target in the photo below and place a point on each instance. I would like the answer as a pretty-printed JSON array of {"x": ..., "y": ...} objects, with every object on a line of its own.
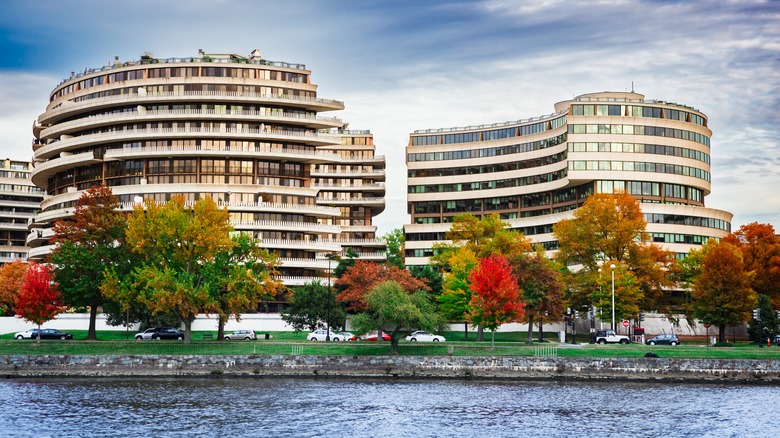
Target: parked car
[
  {"x": 343, "y": 336},
  {"x": 424, "y": 336},
  {"x": 610, "y": 337},
  {"x": 777, "y": 340},
  {"x": 664, "y": 339},
  {"x": 319, "y": 335},
  {"x": 159, "y": 333},
  {"x": 47, "y": 333},
  {"x": 373, "y": 336},
  {"x": 247, "y": 335}
]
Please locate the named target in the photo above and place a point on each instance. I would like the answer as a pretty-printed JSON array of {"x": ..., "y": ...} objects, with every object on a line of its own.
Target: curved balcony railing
[
  {"x": 491, "y": 125},
  {"x": 313, "y": 228},
  {"x": 312, "y": 245},
  {"x": 190, "y": 114}
]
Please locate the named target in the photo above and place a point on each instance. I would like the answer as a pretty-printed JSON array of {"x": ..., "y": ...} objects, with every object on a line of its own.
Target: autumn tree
[
  {"x": 395, "y": 248},
  {"x": 455, "y": 298},
  {"x": 39, "y": 299},
  {"x": 88, "y": 243},
  {"x": 394, "y": 310},
  {"x": 628, "y": 293},
  {"x": 612, "y": 227},
  {"x": 363, "y": 276},
  {"x": 760, "y": 247},
  {"x": 308, "y": 308},
  {"x": 176, "y": 243},
  {"x": 11, "y": 281},
  {"x": 471, "y": 238},
  {"x": 542, "y": 288},
  {"x": 496, "y": 296},
  {"x": 721, "y": 291}
]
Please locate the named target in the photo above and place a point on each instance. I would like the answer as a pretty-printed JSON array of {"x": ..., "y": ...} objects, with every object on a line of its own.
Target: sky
[{"x": 405, "y": 65}]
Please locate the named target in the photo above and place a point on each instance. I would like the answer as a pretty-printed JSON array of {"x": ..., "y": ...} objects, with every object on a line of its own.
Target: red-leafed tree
[
  {"x": 496, "y": 296},
  {"x": 11, "y": 277},
  {"x": 39, "y": 299},
  {"x": 363, "y": 276},
  {"x": 760, "y": 248}
]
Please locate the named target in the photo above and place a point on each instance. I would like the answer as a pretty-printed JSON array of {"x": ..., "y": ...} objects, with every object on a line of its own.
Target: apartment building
[
  {"x": 537, "y": 171},
  {"x": 243, "y": 130},
  {"x": 19, "y": 202}
]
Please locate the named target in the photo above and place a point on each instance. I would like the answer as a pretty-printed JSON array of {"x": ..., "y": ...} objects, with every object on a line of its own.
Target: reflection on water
[{"x": 360, "y": 408}]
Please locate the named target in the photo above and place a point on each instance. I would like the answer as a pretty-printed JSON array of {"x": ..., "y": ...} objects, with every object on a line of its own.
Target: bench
[{"x": 208, "y": 337}]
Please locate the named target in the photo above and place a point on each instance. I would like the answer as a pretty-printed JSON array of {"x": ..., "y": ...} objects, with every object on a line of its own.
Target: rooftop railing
[{"x": 490, "y": 126}]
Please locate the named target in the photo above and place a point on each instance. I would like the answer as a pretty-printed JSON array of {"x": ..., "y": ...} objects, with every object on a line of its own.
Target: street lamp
[
  {"x": 612, "y": 266},
  {"x": 331, "y": 257}
]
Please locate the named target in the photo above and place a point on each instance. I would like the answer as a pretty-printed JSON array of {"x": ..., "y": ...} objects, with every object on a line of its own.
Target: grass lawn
[{"x": 507, "y": 344}]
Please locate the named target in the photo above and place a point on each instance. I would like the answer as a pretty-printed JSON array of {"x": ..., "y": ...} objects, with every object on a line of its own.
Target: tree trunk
[
  {"x": 722, "y": 333},
  {"x": 541, "y": 336},
  {"x": 220, "y": 328},
  {"x": 187, "y": 331},
  {"x": 492, "y": 339},
  {"x": 466, "y": 330},
  {"x": 480, "y": 334},
  {"x": 530, "y": 328},
  {"x": 39, "y": 333},
  {"x": 91, "y": 332},
  {"x": 394, "y": 345}
]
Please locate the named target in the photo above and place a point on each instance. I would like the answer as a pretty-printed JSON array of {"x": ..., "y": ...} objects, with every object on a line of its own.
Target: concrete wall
[{"x": 439, "y": 367}]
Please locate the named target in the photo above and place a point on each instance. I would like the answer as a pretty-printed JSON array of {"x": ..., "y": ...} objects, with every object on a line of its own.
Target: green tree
[
  {"x": 721, "y": 290},
  {"x": 239, "y": 276},
  {"x": 308, "y": 308},
  {"x": 88, "y": 243},
  {"x": 628, "y": 293},
  {"x": 176, "y": 244},
  {"x": 395, "y": 248},
  {"x": 431, "y": 276},
  {"x": 766, "y": 327},
  {"x": 394, "y": 310},
  {"x": 496, "y": 297},
  {"x": 39, "y": 299}
]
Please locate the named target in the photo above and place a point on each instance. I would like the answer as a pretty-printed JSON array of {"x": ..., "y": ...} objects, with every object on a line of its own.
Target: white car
[
  {"x": 423, "y": 336},
  {"x": 320, "y": 335},
  {"x": 342, "y": 336}
]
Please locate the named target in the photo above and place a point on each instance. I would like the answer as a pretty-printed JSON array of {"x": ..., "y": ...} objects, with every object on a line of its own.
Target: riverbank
[{"x": 748, "y": 371}]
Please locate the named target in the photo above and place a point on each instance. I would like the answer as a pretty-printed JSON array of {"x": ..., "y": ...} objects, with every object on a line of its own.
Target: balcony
[
  {"x": 289, "y": 226},
  {"x": 306, "y": 245},
  {"x": 359, "y": 200},
  {"x": 315, "y": 157}
]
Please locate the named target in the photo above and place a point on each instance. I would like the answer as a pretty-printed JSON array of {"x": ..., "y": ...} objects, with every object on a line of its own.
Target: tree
[
  {"x": 455, "y": 298},
  {"x": 496, "y": 296},
  {"x": 239, "y": 276},
  {"x": 391, "y": 308},
  {"x": 11, "y": 281},
  {"x": 432, "y": 277},
  {"x": 363, "y": 276},
  {"x": 721, "y": 291},
  {"x": 176, "y": 244},
  {"x": 628, "y": 293},
  {"x": 766, "y": 327},
  {"x": 308, "y": 308},
  {"x": 88, "y": 243},
  {"x": 612, "y": 227},
  {"x": 39, "y": 299},
  {"x": 542, "y": 287},
  {"x": 395, "y": 248},
  {"x": 760, "y": 248}
]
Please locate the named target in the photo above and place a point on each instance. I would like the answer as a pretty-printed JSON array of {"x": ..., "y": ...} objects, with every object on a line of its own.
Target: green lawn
[{"x": 507, "y": 344}]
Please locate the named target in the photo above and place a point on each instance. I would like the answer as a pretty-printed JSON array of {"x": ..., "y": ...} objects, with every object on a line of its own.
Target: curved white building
[
  {"x": 243, "y": 130},
  {"x": 534, "y": 172}
]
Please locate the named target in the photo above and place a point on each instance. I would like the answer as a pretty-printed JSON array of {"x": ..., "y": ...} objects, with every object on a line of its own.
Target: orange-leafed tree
[
  {"x": 11, "y": 280},
  {"x": 363, "y": 276},
  {"x": 760, "y": 248},
  {"x": 543, "y": 291},
  {"x": 496, "y": 295},
  {"x": 39, "y": 299},
  {"x": 721, "y": 290}
]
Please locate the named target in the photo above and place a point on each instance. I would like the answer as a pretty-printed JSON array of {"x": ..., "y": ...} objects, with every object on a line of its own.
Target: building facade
[
  {"x": 535, "y": 172},
  {"x": 242, "y": 130},
  {"x": 19, "y": 202}
]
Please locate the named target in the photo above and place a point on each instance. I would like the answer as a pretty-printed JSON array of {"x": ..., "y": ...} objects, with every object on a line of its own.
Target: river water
[{"x": 363, "y": 408}]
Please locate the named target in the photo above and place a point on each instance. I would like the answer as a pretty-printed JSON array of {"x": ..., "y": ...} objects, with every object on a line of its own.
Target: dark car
[
  {"x": 664, "y": 339},
  {"x": 45, "y": 334},
  {"x": 158, "y": 333}
]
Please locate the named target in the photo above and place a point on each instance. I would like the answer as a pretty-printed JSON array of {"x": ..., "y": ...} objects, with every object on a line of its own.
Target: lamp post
[
  {"x": 331, "y": 257},
  {"x": 612, "y": 266}
]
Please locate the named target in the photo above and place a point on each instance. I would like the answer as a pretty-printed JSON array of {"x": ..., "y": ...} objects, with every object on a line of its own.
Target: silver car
[{"x": 247, "y": 335}]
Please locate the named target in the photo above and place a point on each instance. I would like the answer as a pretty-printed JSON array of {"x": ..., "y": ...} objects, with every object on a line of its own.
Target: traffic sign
[
  {"x": 625, "y": 323},
  {"x": 707, "y": 326}
]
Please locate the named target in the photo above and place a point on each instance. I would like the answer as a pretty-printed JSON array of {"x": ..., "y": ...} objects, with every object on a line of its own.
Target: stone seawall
[{"x": 433, "y": 367}]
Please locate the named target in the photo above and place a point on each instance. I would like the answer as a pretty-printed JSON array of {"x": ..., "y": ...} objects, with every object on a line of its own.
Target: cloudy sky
[{"x": 413, "y": 64}]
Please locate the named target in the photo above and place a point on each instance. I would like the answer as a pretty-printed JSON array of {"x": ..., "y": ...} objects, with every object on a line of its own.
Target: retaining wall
[{"x": 438, "y": 367}]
